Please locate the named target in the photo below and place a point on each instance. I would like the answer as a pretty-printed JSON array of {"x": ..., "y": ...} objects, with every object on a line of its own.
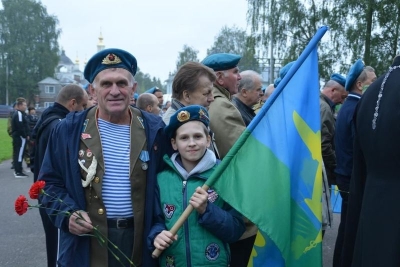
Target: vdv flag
[{"x": 273, "y": 173}]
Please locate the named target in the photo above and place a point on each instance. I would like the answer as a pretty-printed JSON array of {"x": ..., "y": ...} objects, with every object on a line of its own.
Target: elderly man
[
  {"x": 332, "y": 94},
  {"x": 70, "y": 98},
  {"x": 249, "y": 94},
  {"x": 148, "y": 102},
  {"x": 227, "y": 124},
  {"x": 358, "y": 79},
  {"x": 102, "y": 164}
]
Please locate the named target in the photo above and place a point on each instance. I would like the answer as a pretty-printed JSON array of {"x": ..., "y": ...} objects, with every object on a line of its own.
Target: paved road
[{"x": 22, "y": 237}]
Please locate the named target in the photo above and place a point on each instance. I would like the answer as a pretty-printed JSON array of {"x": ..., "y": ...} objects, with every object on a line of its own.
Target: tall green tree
[
  {"x": 236, "y": 41},
  {"x": 28, "y": 47},
  {"x": 145, "y": 82},
  {"x": 367, "y": 29},
  {"x": 187, "y": 54}
]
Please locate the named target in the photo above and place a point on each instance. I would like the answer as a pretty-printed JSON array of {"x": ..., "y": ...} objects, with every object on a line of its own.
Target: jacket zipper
[{"x": 186, "y": 225}]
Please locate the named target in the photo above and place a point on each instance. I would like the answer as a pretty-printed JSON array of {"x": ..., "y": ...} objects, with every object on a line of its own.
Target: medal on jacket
[{"x": 144, "y": 157}]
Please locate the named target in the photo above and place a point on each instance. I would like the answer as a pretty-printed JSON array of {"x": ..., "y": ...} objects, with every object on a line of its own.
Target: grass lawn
[{"x": 5, "y": 141}]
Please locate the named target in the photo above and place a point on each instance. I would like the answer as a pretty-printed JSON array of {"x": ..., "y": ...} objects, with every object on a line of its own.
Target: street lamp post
[{"x": 7, "y": 81}]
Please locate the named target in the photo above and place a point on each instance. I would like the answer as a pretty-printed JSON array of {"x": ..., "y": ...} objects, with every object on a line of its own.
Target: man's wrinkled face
[
  {"x": 113, "y": 89},
  {"x": 230, "y": 80}
]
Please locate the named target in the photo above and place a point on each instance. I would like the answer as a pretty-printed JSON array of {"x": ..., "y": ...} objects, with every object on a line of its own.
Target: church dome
[{"x": 64, "y": 60}]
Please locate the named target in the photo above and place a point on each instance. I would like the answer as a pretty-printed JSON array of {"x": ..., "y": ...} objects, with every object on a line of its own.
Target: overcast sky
[{"x": 154, "y": 31}]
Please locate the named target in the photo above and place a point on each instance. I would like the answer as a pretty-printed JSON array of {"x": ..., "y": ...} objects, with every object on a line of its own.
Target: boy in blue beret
[{"x": 214, "y": 223}]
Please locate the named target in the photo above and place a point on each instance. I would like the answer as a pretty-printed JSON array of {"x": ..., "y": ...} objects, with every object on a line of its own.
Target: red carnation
[
  {"x": 36, "y": 189},
  {"x": 21, "y": 205}
]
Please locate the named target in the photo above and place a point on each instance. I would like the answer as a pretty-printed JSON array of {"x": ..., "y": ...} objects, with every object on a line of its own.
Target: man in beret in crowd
[
  {"x": 102, "y": 164},
  {"x": 248, "y": 95},
  {"x": 227, "y": 125},
  {"x": 158, "y": 93},
  {"x": 149, "y": 103},
  {"x": 358, "y": 79},
  {"x": 332, "y": 93}
]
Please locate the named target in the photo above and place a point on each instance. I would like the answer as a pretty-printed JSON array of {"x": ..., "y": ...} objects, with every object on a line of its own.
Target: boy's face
[{"x": 191, "y": 141}]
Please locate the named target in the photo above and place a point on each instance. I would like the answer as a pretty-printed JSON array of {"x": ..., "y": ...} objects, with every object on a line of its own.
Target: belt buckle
[{"x": 122, "y": 223}]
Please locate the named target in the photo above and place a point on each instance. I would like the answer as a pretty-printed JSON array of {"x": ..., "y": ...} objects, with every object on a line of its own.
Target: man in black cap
[
  {"x": 358, "y": 79},
  {"x": 372, "y": 233},
  {"x": 102, "y": 163}
]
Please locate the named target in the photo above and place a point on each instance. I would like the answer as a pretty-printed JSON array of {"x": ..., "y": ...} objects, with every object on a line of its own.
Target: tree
[
  {"x": 28, "y": 47},
  {"x": 236, "y": 41},
  {"x": 367, "y": 29},
  {"x": 188, "y": 54},
  {"x": 145, "y": 82}
]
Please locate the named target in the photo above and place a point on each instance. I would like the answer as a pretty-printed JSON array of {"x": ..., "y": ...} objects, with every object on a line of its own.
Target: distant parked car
[{"x": 5, "y": 111}]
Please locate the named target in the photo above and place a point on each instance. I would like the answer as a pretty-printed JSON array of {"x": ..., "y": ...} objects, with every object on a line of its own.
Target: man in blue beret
[
  {"x": 332, "y": 94},
  {"x": 102, "y": 164},
  {"x": 158, "y": 93},
  {"x": 227, "y": 125},
  {"x": 358, "y": 79}
]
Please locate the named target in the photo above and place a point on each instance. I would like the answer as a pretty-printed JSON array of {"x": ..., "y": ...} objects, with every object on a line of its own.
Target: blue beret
[
  {"x": 340, "y": 79},
  {"x": 283, "y": 71},
  {"x": 109, "y": 58},
  {"x": 353, "y": 74},
  {"x": 135, "y": 96},
  {"x": 184, "y": 115},
  {"x": 221, "y": 61},
  {"x": 152, "y": 90}
]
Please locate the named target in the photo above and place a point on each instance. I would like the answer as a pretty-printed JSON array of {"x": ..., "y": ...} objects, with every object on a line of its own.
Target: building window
[
  {"x": 48, "y": 104},
  {"x": 50, "y": 89}
]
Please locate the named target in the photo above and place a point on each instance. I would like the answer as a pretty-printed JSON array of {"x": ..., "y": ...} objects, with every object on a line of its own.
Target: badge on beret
[
  {"x": 111, "y": 59},
  {"x": 183, "y": 116}
]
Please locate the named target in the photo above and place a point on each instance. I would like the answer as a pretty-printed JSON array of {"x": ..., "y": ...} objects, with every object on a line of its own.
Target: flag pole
[{"x": 178, "y": 224}]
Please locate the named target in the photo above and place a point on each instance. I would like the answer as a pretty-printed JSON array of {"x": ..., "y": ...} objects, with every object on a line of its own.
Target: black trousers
[
  {"x": 19, "y": 144},
  {"x": 123, "y": 239},
  {"x": 51, "y": 233},
  {"x": 343, "y": 183},
  {"x": 241, "y": 251}
]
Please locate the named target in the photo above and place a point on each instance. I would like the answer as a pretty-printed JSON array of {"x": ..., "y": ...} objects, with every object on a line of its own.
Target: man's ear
[
  {"x": 220, "y": 79},
  {"x": 134, "y": 87},
  {"x": 208, "y": 141}
]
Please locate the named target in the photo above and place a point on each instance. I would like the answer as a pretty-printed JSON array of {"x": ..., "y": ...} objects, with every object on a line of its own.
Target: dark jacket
[
  {"x": 344, "y": 136},
  {"x": 62, "y": 174},
  {"x": 372, "y": 236},
  {"x": 19, "y": 124},
  {"x": 327, "y": 137},
  {"x": 246, "y": 111},
  {"x": 41, "y": 132}
]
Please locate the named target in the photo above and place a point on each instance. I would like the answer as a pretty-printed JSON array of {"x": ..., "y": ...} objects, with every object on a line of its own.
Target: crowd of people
[{"x": 129, "y": 164}]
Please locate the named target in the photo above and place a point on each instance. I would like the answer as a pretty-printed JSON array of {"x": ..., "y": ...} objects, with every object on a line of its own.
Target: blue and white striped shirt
[{"x": 115, "y": 140}]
